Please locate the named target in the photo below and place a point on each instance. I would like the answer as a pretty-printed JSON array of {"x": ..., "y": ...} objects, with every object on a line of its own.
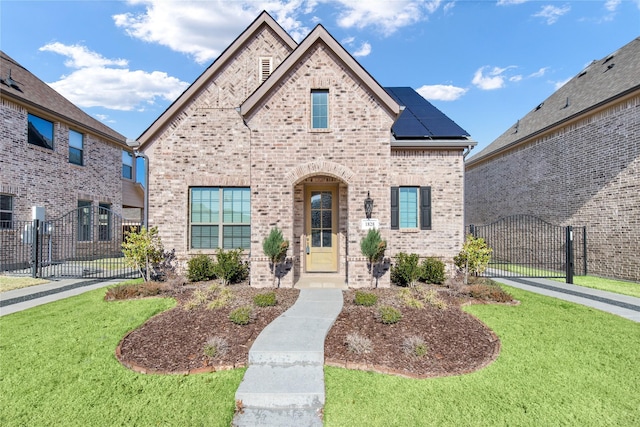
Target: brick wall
[{"x": 583, "y": 174}]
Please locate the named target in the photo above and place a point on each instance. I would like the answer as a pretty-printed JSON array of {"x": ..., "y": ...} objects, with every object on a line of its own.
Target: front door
[{"x": 321, "y": 228}]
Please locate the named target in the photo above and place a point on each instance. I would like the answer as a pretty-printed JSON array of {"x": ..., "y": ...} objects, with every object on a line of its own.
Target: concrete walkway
[
  {"x": 621, "y": 305},
  {"x": 32, "y": 296},
  {"x": 284, "y": 384}
]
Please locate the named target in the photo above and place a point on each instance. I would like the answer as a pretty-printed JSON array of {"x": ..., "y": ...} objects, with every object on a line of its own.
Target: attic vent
[
  {"x": 582, "y": 73},
  {"x": 10, "y": 82},
  {"x": 610, "y": 66},
  {"x": 539, "y": 106},
  {"x": 266, "y": 65},
  {"x": 609, "y": 58}
]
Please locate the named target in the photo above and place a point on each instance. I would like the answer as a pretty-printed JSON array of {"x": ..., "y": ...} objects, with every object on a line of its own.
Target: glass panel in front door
[{"x": 321, "y": 219}]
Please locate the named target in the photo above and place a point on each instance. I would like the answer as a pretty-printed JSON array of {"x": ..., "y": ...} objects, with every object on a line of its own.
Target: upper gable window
[
  {"x": 76, "y": 147},
  {"x": 266, "y": 67},
  {"x": 40, "y": 132},
  {"x": 127, "y": 164},
  {"x": 320, "y": 109}
]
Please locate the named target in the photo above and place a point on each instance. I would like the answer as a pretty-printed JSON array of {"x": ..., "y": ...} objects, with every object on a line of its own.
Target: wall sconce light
[{"x": 368, "y": 206}]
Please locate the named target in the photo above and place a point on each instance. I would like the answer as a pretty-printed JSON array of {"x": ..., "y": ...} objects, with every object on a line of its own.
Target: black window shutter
[
  {"x": 425, "y": 208},
  {"x": 395, "y": 208}
]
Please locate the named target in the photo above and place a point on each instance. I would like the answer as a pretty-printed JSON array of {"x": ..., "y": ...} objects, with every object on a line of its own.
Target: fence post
[
  {"x": 569, "y": 255},
  {"x": 472, "y": 230},
  {"x": 584, "y": 248},
  {"x": 35, "y": 247}
]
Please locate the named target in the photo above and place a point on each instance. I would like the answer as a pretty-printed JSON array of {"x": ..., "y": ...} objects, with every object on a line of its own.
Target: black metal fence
[
  {"x": 86, "y": 242},
  {"x": 526, "y": 246}
]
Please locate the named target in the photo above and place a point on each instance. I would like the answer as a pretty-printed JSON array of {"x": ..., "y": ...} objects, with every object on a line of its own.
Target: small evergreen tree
[
  {"x": 143, "y": 250},
  {"x": 373, "y": 248},
  {"x": 275, "y": 248}
]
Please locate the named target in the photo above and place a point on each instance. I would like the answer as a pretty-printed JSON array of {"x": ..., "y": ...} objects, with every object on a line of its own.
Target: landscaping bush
[
  {"x": 405, "y": 271},
  {"x": 135, "y": 290},
  {"x": 241, "y": 316},
  {"x": 221, "y": 297},
  {"x": 490, "y": 292},
  {"x": 366, "y": 299},
  {"x": 372, "y": 247},
  {"x": 409, "y": 299},
  {"x": 358, "y": 344},
  {"x": 265, "y": 300},
  {"x": 474, "y": 256},
  {"x": 275, "y": 248},
  {"x": 415, "y": 346},
  {"x": 200, "y": 268},
  {"x": 215, "y": 347},
  {"x": 432, "y": 271},
  {"x": 143, "y": 250},
  {"x": 229, "y": 267},
  {"x": 389, "y": 315}
]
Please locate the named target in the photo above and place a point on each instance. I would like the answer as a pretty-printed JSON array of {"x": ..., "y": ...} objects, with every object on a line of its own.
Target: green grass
[
  {"x": 58, "y": 368},
  {"x": 560, "y": 364},
  {"x": 8, "y": 283}
]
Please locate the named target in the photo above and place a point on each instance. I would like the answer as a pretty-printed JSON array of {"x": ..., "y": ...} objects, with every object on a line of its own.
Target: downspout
[
  {"x": 145, "y": 219},
  {"x": 467, "y": 151}
]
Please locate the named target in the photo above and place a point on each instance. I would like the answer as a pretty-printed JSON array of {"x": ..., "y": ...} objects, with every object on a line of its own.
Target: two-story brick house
[
  {"x": 574, "y": 159},
  {"x": 297, "y": 136},
  {"x": 57, "y": 157}
]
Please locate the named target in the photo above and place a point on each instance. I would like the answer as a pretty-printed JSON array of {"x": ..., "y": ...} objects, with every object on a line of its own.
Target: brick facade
[
  {"x": 586, "y": 173},
  {"x": 273, "y": 150}
]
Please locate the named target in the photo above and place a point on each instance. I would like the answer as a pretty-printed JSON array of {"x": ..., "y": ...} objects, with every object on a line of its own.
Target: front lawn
[
  {"x": 58, "y": 368},
  {"x": 560, "y": 364}
]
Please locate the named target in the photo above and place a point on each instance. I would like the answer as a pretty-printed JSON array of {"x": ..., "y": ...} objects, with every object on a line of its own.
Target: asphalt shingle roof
[
  {"x": 31, "y": 91},
  {"x": 602, "y": 81}
]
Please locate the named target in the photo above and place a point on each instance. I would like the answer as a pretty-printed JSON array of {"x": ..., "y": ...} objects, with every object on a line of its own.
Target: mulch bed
[{"x": 173, "y": 341}]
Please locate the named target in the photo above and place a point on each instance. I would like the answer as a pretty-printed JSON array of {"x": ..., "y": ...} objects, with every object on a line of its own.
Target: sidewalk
[
  {"x": 620, "y": 305},
  {"x": 32, "y": 296}
]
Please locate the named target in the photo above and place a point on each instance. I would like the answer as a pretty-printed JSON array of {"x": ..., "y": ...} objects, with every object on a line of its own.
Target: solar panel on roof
[{"x": 420, "y": 119}]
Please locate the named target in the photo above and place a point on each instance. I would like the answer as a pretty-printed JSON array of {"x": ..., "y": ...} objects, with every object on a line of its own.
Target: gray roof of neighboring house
[
  {"x": 603, "y": 81},
  {"x": 30, "y": 91}
]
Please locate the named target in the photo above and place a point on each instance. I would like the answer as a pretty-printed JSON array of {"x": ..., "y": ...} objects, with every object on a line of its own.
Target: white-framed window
[
  {"x": 411, "y": 208},
  {"x": 76, "y": 147},
  {"x": 40, "y": 131},
  {"x": 220, "y": 217},
  {"x": 265, "y": 64},
  {"x": 127, "y": 164},
  {"x": 6, "y": 212},
  {"x": 320, "y": 109},
  {"x": 84, "y": 221}
]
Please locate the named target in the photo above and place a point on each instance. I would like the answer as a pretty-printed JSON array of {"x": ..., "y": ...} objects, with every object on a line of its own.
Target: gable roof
[
  {"x": 26, "y": 89},
  {"x": 177, "y": 106},
  {"x": 421, "y": 121},
  {"x": 319, "y": 34},
  {"x": 603, "y": 81}
]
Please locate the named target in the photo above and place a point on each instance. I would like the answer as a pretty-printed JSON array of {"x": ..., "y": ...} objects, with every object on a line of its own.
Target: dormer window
[{"x": 266, "y": 67}]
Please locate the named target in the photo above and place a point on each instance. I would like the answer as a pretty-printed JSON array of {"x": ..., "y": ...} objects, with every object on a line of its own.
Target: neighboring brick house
[
  {"x": 56, "y": 156},
  {"x": 297, "y": 136},
  {"x": 573, "y": 160}
]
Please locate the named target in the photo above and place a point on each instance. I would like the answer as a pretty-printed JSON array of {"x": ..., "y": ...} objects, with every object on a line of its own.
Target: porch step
[{"x": 265, "y": 417}]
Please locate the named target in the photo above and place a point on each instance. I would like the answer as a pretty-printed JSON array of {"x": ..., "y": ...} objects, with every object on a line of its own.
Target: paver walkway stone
[{"x": 284, "y": 383}]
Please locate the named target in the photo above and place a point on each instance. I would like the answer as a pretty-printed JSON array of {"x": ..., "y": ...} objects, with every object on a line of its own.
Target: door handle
[{"x": 308, "y": 249}]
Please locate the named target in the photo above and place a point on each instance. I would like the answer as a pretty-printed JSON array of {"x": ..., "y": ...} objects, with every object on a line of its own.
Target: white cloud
[
  {"x": 492, "y": 79},
  {"x": 541, "y": 72},
  {"x": 515, "y": 78},
  {"x": 559, "y": 84},
  {"x": 510, "y": 2},
  {"x": 441, "y": 92},
  {"x": 612, "y": 5},
  {"x": 364, "y": 50},
  {"x": 552, "y": 13},
  {"x": 96, "y": 82}
]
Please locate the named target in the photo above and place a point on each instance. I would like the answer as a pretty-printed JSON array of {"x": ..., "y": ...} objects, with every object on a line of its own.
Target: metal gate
[
  {"x": 527, "y": 246},
  {"x": 86, "y": 242}
]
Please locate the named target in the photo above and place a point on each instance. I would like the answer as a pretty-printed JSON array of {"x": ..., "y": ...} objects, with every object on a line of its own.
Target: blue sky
[{"x": 484, "y": 63}]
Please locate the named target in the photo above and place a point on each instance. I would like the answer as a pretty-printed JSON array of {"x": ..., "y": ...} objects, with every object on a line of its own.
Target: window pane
[
  {"x": 326, "y": 238},
  {"x": 40, "y": 132},
  {"x": 326, "y": 219},
  {"x": 5, "y": 202},
  {"x": 84, "y": 221},
  {"x": 320, "y": 109},
  {"x": 204, "y": 236},
  {"x": 316, "y": 238},
  {"x": 104, "y": 222},
  {"x": 205, "y": 205},
  {"x": 408, "y": 207},
  {"x": 236, "y": 205},
  {"x": 6, "y": 220},
  {"x": 75, "y": 139},
  {"x": 127, "y": 165},
  {"x": 75, "y": 156},
  {"x": 236, "y": 236}
]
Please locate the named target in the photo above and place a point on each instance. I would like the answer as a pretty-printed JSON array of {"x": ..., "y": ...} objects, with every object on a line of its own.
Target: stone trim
[{"x": 319, "y": 167}]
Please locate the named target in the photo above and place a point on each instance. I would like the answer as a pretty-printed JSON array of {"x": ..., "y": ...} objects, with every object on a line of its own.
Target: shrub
[
  {"x": 200, "y": 268},
  {"x": 405, "y": 271},
  {"x": 389, "y": 315},
  {"x": 223, "y": 297},
  {"x": 215, "y": 347},
  {"x": 372, "y": 247},
  {"x": 229, "y": 267},
  {"x": 135, "y": 290},
  {"x": 366, "y": 299},
  {"x": 358, "y": 344},
  {"x": 408, "y": 299},
  {"x": 415, "y": 346},
  {"x": 142, "y": 249},
  {"x": 275, "y": 248},
  {"x": 474, "y": 256},
  {"x": 241, "y": 316},
  {"x": 431, "y": 297},
  {"x": 198, "y": 298},
  {"x": 267, "y": 299},
  {"x": 432, "y": 271},
  {"x": 489, "y": 292}
]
